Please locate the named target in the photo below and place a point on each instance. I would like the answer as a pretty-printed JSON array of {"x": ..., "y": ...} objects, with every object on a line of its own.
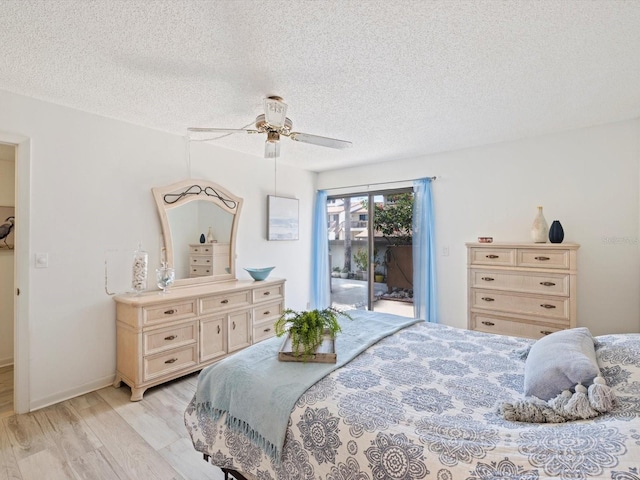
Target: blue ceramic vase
[{"x": 556, "y": 232}]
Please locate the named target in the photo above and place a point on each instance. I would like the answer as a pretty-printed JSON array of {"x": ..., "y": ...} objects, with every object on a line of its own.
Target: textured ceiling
[{"x": 399, "y": 79}]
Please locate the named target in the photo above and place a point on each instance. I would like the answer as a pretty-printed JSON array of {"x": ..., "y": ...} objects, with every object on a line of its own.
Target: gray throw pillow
[{"x": 558, "y": 362}]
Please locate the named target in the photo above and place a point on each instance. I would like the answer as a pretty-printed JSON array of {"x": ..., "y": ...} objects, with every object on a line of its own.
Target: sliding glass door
[{"x": 368, "y": 270}]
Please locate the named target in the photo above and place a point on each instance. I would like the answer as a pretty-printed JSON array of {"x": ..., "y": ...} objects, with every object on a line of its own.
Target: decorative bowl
[
  {"x": 485, "y": 239},
  {"x": 259, "y": 273}
]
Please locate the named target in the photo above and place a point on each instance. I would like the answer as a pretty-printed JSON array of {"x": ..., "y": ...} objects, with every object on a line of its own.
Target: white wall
[
  {"x": 588, "y": 179},
  {"x": 7, "y": 199},
  {"x": 91, "y": 180}
]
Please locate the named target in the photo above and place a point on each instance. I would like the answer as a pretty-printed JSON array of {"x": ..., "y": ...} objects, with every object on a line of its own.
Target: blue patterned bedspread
[{"x": 421, "y": 404}]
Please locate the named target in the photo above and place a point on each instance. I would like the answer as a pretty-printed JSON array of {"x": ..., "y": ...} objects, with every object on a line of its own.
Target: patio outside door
[{"x": 359, "y": 257}]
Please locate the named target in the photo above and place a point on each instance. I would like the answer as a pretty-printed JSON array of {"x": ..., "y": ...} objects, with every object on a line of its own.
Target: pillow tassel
[
  {"x": 601, "y": 396},
  {"x": 558, "y": 403},
  {"x": 578, "y": 405},
  {"x": 532, "y": 410}
]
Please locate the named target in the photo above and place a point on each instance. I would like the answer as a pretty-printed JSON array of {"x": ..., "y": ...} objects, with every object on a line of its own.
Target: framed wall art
[
  {"x": 7, "y": 227},
  {"x": 282, "y": 214}
]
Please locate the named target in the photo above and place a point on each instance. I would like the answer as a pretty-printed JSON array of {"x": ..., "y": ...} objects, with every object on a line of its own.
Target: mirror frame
[{"x": 183, "y": 192}]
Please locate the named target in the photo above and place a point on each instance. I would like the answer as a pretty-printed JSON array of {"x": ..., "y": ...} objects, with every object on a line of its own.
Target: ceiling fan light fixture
[
  {"x": 271, "y": 149},
  {"x": 275, "y": 111}
]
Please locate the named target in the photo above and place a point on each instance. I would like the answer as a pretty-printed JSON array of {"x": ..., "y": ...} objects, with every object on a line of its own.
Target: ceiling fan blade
[
  {"x": 318, "y": 140},
  {"x": 271, "y": 149},
  {"x": 220, "y": 130}
]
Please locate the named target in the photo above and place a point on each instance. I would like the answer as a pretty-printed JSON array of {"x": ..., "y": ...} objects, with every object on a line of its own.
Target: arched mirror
[{"x": 192, "y": 211}]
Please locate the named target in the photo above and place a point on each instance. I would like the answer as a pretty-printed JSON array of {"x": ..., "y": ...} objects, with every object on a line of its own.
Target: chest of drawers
[
  {"x": 162, "y": 337},
  {"x": 208, "y": 259},
  {"x": 522, "y": 289}
]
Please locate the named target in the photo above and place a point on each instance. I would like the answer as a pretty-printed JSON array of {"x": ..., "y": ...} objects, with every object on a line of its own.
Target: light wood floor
[
  {"x": 6, "y": 391},
  {"x": 102, "y": 435}
]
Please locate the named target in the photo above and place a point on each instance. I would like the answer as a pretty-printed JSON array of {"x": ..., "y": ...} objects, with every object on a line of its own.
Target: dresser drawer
[
  {"x": 266, "y": 311},
  {"x": 200, "y": 260},
  {"x": 544, "y": 258},
  {"x": 202, "y": 271},
  {"x": 166, "y": 338},
  {"x": 168, "y": 311},
  {"x": 539, "y": 305},
  {"x": 503, "y": 326},
  {"x": 200, "y": 249},
  {"x": 492, "y": 256},
  {"x": 525, "y": 282},
  {"x": 264, "y": 330},
  {"x": 176, "y": 359},
  {"x": 267, "y": 293},
  {"x": 227, "y": 300}
]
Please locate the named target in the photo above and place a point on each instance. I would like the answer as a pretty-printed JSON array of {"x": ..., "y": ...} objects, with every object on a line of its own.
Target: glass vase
[
  {"x": 165, "y": 277},
  {"x": 139, "y": 270}
]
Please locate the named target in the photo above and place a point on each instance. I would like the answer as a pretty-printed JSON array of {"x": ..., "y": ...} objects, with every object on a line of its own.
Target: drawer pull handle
[
  {"x": 169, "y": 312},
  {"x": 234, "y": 325},
  {"x": 218, "y": 329},
  {"x": 170, "y": 337},
  {"x": 267, "y": 330},
  {"x": 493, "y": 256},
  {"x": 224, "y": 301},
  {"x": 546, "y": 305},
  {"x": 488, "y": 279},
  {"x": 267, "y": 293},
  {"x": 547, "y": 284},
  {"x": 488, "y": 324},
  {"x": 208, "y": 271},
  {"x": 171, "y": 360},
  {"x": 266, "y": 313},
  {"x": 488, "y": 299},
  {"x": 208, "y": 261},
  {"x": 542, "y": 258},
  {"x": 546, "y": 332},
  {"x": 195, "y": 260}
]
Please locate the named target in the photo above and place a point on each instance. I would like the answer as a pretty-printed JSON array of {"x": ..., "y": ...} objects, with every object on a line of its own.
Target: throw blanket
[{"x": 257, "y": 391}]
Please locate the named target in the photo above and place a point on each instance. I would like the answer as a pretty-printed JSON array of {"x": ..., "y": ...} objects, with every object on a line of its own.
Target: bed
[{"x": 421, "y": 403}]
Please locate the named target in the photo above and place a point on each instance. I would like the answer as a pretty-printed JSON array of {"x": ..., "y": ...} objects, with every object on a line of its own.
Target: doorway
[
  {"x": 7, "y": 276},
  {"x": 365, "y": 269}
]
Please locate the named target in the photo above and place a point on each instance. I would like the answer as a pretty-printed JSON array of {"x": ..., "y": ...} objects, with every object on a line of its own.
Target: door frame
[
  {"x": 370, "y": 229},
  {"x": 21, "y": 393}
]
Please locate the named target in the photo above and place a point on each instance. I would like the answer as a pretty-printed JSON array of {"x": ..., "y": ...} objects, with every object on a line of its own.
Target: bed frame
[{"x": 227, "y": 471}]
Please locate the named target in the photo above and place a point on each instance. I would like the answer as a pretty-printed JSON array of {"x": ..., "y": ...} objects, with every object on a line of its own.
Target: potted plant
[
  {"x": 344, "y": 273},
  {"x": 362, "y": 261},
  {"x": 335, "y": 272},
  {"x": 307, "y": 328}
]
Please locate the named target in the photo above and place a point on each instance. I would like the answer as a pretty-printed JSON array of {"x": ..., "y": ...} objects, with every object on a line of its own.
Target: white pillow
[{"x": 559, "y": 361}]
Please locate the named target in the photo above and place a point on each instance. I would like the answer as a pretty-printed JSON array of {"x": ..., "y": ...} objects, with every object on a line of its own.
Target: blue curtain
[
  {"x": 424, "y": 270},
  {"x": 320, "y": 275}
]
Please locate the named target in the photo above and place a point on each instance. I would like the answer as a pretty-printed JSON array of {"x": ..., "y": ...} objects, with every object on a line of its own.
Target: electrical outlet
[{"x": 445, "y": 251}]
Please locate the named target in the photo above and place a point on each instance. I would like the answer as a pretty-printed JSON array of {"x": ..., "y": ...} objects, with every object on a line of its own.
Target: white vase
[
  {"x": 210, "y": 238},
  {"x": 539, "y": 229}
]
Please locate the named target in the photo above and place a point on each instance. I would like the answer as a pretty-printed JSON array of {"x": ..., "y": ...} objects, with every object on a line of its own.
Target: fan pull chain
[
  {"x": 275, "y": 176},
  {"x": 187, "y": 145}
]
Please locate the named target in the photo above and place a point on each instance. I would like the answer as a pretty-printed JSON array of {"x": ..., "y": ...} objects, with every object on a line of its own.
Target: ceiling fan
[{"x": 274, "y": 123}]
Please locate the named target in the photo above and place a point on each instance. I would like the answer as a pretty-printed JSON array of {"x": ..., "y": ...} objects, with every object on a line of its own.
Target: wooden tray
[{"x": 325, "y": 353}]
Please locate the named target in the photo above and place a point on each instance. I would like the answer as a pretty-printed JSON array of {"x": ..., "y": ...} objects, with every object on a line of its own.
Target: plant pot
[
  {"x": 344, "y": 274},
  {"x": 379, "y": 278}
]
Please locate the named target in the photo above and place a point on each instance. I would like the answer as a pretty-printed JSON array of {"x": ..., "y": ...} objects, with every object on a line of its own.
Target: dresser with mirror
[{"x": 207, "y": 314}]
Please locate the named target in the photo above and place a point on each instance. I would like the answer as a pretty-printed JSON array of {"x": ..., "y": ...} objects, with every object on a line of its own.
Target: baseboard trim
[{"x": 72, "y": 393}]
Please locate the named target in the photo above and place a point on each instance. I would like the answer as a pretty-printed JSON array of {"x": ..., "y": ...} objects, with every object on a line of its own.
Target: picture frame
[
  {"x": 7, "y": 242},
  {"x": 283, "y": 218}
]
